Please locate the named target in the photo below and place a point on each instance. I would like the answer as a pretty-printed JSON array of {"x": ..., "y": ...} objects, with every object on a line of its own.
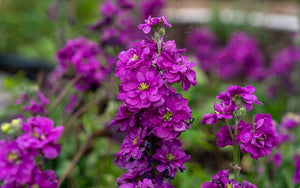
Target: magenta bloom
[
  {"x": 276, "y": 158},
  {"x": 146, "y": 27},
  {"x": 239, "y": 95},
  {"x": 35, "y": 106},
  {"x": 171, "y": 158},
  {"x": 109, "y": 9},
  {"x": 259, "y": 139},
  {"x": 43, "y": 179},
  {"x": 171, "y": 118},
  {"x": 142, "y": 88},
  {"x": 133, "y": 144},
  {"x": 296, "y": 160},
  {"x": 224, "y": 137},
  {"x": 126, "y": 118},
  {"x": 151, "y": 7},
  {"x": 41, "y": 134},
  {"x": 290, "y": 121},
  {"x": 221, "y": 111},
  {"x": 16, "y": 164},
  {"x": 221, "y": 180}
]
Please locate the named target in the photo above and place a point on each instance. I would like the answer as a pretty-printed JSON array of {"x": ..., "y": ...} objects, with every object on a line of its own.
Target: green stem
[{"x": 236, "y": 154}]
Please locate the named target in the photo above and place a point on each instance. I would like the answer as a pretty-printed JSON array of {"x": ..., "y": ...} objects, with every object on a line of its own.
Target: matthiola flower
[
  {"x": 43, "y": 179},
  {"x": 126, "y": 118},
  {"x": 259, "y": 139},
  {"x": 240, "y": 58},
  {"x": 37, "y": 106},
  {"x": 203, "y": 43},
  {"x": 221, "y": 180},
  {"x": 151, "y": 7},
  {"x": 240, "y": 95},
  {"x": 296, "y": 160},
  {"x": 109, "y": 9},
  {"x": 171, "y": 118},
  {"x": 221, "y": 111},
  {"x": 290, "y": 121},
  {"x": 142, "y": 88},
  {"x": 146, "y": 27},
  {"x": 133, "y": 144},
  {"x": 41, "y": 134},
  {"x": 171, "y": 158},
  {"x": 176, "y": 68},
  {"x": 224, "y": 137},
  {"x": 16, "y": 163},
  {"x": 276, "y": 158}
]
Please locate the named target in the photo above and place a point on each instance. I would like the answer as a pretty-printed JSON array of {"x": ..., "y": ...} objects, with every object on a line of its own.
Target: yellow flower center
[
  {"x": 12, "y": 157},
  {"x": 229, "y": 186},
  {"x": 170, "y": 157},
  {"x": 135, "y": 140},
  {"x": 15, "y": 122},
  {"x": 143, "y": 86},
  {"x": 35, "y": 186},
  {"x": 135, "y": 57},
  {"x": 5, "y": 127},
  {"x": 36, "y": 135},
  {"x": 168, "y": 115}
]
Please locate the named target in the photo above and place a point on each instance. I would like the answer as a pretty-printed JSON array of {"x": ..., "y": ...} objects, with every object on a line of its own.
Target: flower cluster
[
  {"x": 153, "y": 115},
  {"x": 81, "y": 57},
  {"x": 18, "y": 158},
  {"x": 221, "y": 180},
  {"x": 119, "y": 19},
  {"x": 240, "y": 58},
  {"x": 34, "y": 106}
]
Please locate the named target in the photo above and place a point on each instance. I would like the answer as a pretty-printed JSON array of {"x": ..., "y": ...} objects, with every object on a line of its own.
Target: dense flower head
[
  {"x": 126, "y": 118},
  {"x": 149, "y": 22},
  {"x": 16, "y": 163},
  {"x": 39, "y": 133},
  {"x": 239, "y": 95},
  {"x": 260, "y": 138},
  {"x": 35, "y": 106},
  {"x": 43, "y": 179},
  {"x": 221, "y": 112},
  {"x": 221, "y": 180},
  {"x": 296, "y": 161},
  {"x": 240, "y": 58},
  {"x": 81, "y": 57}
]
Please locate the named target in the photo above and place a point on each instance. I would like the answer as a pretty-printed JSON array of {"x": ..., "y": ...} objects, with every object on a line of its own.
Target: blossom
[
  {"x": 142, "y": 88},
  {"x": 224, "y": 137},
  {"x": 146, "y": 27},
  {"x": 171, "y": 158},
  {"x": 151, "y": 7},
  {"x": 133, "y": 144},
  {"x": 259, "y": 139},
  {"x": 221, "y": 112},
  {"x": 109, "y": 9},
  {"x": 35, "y": 106},
  {"x": 16, "y": 163},
  {"x": 239, "y": 95},
  {"x": 221, "y": 180},
  {"x": 296, "y": 161},
  {"x": 43, "y": 179},
  {"x": 276, "y": 158},
  {"x": 290, "y": 121},
  {"x": 41, "y": 134},
  {"x": 125, "y": 118}
]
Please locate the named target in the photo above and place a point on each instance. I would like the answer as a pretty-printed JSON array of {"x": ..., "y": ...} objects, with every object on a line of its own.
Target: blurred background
[{"x": 232, "y": 42}]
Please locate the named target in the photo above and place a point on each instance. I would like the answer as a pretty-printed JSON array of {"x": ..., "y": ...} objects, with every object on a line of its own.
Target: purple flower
[
  {"x": 36, "y": 106},
  {"x": 43, "y": 179},
  {"x": 221, "y": 111},
  {"x": 224, "y": 137},
  {"x": 146, "y": 27},
  {"x": 16, "y": 164},
  {"x": 171, "y": 118},
  {"x": 259, "y": 139},
  {"x": 296, "y": 160},
  {"x": 109, "y": 9},
  {"x": 240, "y": 58},
  {"x": 276, "y": 158},
  {"x": 290, "y": 121},
  {"x": 239, "y": 95},
  {"x": 126, "y": 118},
  {"x": 221, "y": 180},
  {"x": 142, "y": 88},
  {"x": 171, "y": 158},
  {"x": 41, "y": 134},
  {"x": 133, "y": 144},
  {"x": 151, "y": 7},
  {"x": 203, "y": 43},
  {"x": 176, "y": 68},
  {"x": 126, "y": 4}
]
